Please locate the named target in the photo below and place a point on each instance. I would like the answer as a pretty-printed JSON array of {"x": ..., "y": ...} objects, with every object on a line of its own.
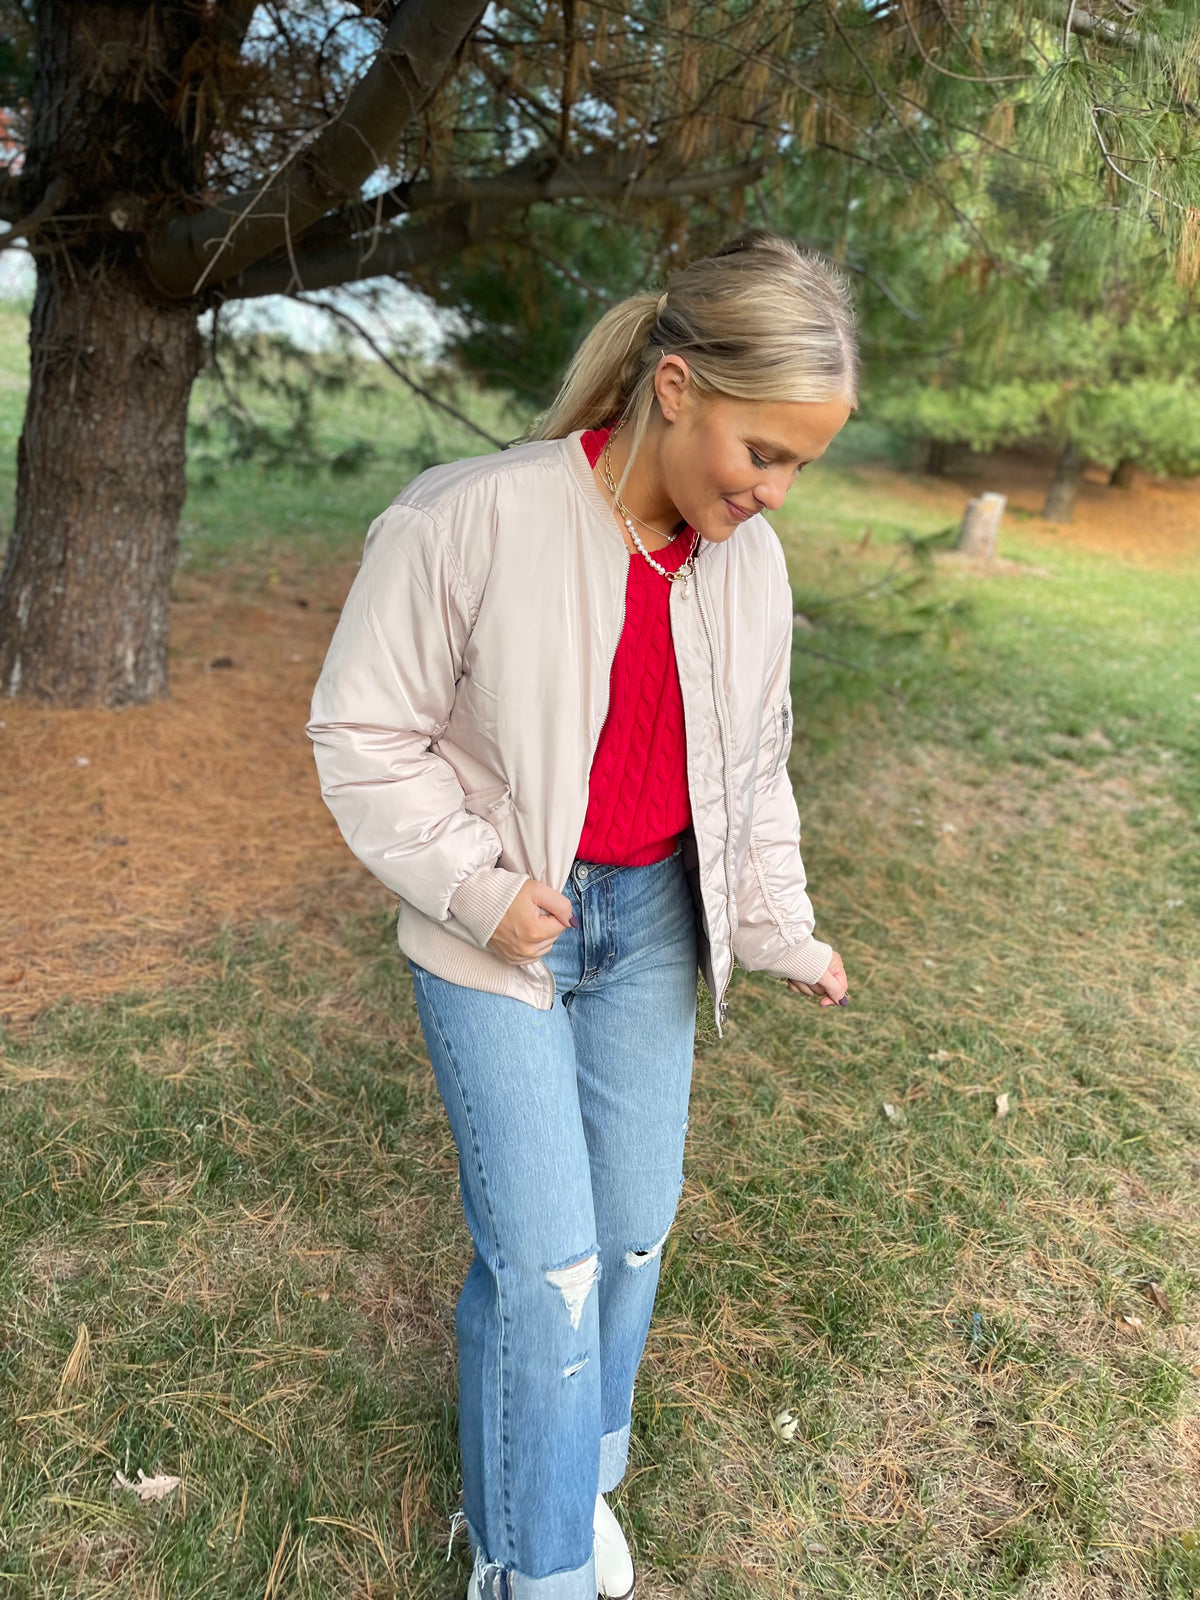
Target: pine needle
[{"x": 78, "y": 1367}]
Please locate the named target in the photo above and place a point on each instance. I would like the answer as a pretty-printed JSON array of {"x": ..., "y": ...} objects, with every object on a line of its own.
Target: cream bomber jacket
[{"x": 465, "y": 688}]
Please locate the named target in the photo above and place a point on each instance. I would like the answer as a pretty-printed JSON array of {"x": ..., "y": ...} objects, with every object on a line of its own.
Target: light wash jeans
[{"x": 570, "y": 1128}]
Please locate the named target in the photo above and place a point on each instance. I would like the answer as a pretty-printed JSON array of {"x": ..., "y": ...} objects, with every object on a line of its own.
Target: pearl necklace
[{"x": 689, "y": 566}]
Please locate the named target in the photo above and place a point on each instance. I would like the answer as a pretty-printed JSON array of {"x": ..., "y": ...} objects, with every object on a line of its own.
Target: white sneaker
[{"x": 614, "y": 1564}]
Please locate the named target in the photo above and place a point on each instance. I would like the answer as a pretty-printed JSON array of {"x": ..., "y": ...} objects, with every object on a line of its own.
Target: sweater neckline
[{"x": 577, "y": 460}]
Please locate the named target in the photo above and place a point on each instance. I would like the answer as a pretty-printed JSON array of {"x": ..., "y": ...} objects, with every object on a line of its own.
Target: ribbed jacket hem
[
  {"x": 447, "y": 955},
  {"x": 481, "y": 900}
]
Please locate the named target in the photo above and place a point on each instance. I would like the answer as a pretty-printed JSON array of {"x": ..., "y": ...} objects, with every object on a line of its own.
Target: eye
[{"x": 757, "y": 460}]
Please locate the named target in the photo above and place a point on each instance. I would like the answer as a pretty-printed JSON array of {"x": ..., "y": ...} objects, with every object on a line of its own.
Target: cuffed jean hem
[
  {"x": 495, "y": 1581},
  {"x": 614, "y": 1454}
]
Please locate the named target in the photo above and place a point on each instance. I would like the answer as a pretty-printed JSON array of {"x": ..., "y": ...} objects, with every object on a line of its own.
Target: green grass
[
  {"x": 242, "y": 512},
  {"x": 246, "y": 1190}
]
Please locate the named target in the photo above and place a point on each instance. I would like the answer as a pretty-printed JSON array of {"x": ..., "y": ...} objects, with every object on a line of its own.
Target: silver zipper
[{"x": 720, "y": 1006}]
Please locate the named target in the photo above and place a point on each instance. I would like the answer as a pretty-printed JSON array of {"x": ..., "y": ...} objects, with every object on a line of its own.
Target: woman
[{"x": 555, "y": 720}]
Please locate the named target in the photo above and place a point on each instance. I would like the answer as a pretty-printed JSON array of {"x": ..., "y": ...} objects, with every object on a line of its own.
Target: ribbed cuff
[
  {"x": 807, "y": 962},
  {"x": 481, "y": 900}
]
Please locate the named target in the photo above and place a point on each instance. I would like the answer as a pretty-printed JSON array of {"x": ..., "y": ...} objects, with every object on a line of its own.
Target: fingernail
[
  {"x": 574, "y": 920},
  {"x": 845, "y": 1000}
]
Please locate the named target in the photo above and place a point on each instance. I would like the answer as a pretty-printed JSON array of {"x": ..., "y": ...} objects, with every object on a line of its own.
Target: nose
[{"x": 771, "y": 492}]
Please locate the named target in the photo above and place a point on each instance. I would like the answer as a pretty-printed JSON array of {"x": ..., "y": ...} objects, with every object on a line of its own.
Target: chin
[{"x": 717, "y": 527}]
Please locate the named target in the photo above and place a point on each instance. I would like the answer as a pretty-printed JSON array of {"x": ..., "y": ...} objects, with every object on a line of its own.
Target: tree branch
[
  {"x": 56, "y": 196},
  {"x": 183, "y": 253},
  {"x": 1078, "y": 19},
  {"x": 394, "y": 367},
  {"x": 231, "y": 23},
  {"x": 540, "y": 176},
  {"x": 386, "y": 252}
]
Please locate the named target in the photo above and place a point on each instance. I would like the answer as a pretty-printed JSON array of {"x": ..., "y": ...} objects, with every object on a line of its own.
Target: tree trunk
[
  {"x": 1060, "y": 499},
  {"x": 1123, "y": 474},
  {"x": 980, "y": 531},
  {"x": 100, "y": 485},
  {"x": 100, "y": 464},
  {"x": 937, "y": 457}
]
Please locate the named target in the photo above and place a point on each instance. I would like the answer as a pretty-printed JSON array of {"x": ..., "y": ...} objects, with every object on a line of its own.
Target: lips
[{"x": 738, "y": 513}]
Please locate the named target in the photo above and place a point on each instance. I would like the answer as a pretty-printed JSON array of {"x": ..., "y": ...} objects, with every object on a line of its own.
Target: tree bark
[
  {"x": 100, "y": 485},
  {"x": 1060, "y": 499},
  {"x": 100, "y": 463}
]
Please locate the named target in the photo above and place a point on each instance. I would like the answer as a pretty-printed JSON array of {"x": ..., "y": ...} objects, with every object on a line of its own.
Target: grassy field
[{"x": 231, "y": 1235}]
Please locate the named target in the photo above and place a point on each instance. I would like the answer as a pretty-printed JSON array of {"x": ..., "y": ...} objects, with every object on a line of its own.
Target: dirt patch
[
  {"x": 137, "y": 833},
  {"x": 1155, "y": 523}
]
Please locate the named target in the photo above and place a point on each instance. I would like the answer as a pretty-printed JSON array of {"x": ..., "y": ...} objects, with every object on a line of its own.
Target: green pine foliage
[
  {"x": 1001, "y": 186},
  {"x": 1123, "y": 390},
  {"x": 1043, "y": 289}
]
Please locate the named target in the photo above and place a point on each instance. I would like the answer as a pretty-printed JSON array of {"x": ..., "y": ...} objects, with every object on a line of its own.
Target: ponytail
[{"x": 762, "y": 319}]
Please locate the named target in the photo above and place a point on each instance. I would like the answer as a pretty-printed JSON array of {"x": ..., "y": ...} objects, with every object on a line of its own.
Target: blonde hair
[{"x": 762, "y": 319}]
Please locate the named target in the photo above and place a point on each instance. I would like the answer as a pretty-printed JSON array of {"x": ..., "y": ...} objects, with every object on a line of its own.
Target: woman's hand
[
  {"x": 831, "y": 988},
  {"x": 532, "y": 923}
]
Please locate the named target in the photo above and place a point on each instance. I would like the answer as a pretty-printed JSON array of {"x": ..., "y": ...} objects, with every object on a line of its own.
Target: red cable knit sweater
[{"x": 637, "y": 791}]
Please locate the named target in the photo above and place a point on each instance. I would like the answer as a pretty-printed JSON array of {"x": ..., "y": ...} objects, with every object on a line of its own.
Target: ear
[{"x": 671, "y": 384}]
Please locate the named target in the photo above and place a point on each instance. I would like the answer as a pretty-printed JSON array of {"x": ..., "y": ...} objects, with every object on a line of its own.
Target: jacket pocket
[
  {"x": 781, "y": 719},
  {"x": 494, "y": 801}
]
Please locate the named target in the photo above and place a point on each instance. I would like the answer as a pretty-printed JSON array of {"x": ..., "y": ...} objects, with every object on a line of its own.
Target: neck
[{"x": 644, "y": 493}]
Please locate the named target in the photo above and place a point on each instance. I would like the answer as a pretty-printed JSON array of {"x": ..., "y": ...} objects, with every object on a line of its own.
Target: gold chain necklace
[{"x": 684, "y": 572}]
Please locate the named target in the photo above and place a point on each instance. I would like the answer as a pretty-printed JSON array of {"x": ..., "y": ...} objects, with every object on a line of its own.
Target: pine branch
[
  {"x": 390, "y": 253},
  {"x": 58, "y": 192},
  {"x": 387, "y": 252},
  {"x": 543, "y": 175},
  {"x": 394, "y": 367},
  {"x": 1078, "y": 19},
  {"x": 184, "y": 253}
]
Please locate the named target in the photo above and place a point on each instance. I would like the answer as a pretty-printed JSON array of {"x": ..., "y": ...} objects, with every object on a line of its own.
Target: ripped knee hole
[{"x": 575, "y": 1284}]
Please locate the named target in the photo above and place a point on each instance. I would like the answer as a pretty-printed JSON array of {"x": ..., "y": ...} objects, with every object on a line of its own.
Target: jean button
[{"x": 583, "y": 872}]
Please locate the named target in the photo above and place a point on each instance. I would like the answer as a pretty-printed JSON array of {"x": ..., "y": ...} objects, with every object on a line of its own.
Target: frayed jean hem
[{"x": 492, "y": 1580}]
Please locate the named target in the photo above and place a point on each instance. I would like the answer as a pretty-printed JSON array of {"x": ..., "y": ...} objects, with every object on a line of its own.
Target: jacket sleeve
[
  {"x": 383, "y": 697},
  {"x": 775, "y": 916}
]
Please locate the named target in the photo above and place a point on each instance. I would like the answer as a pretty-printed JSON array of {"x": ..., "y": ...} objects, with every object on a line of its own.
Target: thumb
[{"x": 550, "y": 900}]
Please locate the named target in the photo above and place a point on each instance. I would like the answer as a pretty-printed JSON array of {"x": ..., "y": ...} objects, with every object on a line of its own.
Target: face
[{"x": 723, "y": 460}]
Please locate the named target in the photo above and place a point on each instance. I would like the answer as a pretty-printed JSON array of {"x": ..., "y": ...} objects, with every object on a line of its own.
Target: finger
[
  {"x": 835, "y": 993},
  {"x": 832, "y": 981},
  {"x": 554, "y": 904}
]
